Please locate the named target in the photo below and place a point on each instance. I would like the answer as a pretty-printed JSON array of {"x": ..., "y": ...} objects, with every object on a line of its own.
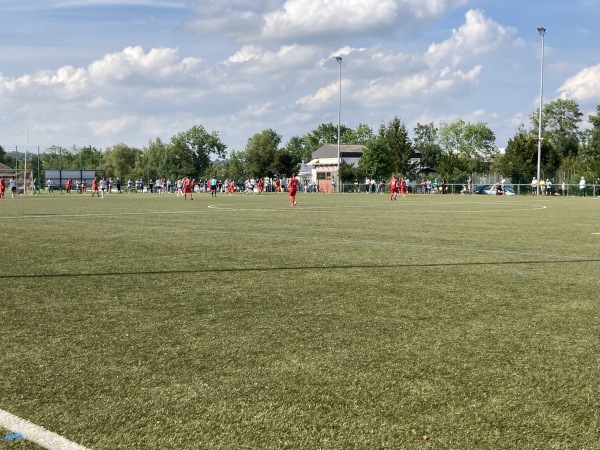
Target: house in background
[
  {"x": 325, "y": 163},
  {"x": 7, "y": 173}
]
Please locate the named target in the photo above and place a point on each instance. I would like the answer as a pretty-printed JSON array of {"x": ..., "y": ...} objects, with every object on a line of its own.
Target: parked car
[{"x": 493, "y": 189}]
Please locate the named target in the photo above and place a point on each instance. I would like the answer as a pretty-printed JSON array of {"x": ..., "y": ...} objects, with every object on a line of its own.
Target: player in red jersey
[
  {"x": 393, "y": 188},
  {"x": 292, "y": 188},
  {"x": 95, "y": 187},
  {"x": 403, "y": 187},
  {"x": 230, "y": 187},
  {"x": 187, "y": 188},
  {"x": 2, "y": 188}
]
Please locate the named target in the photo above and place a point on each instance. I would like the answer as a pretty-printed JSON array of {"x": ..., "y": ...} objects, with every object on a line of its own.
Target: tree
[
  {"x": 466, "y": 148},
  {"x": 90, "y": 157},
  {"x": 200, "y": 144},
  {"x": 284, "y": 163},
  {"x": 172, "y": 161},
  {"x": 347, "y": 172},
  {"x": 591, "y": 149},
  {"x": 119, "y": 161},
  {"x": 260, "y": 153},
  {"x": 467, "y": 140},
  {"x": 325, "y": 133},
  {"x": 560, "y": 122},
  {"x": 376, "y": 161},
  {"x": 236, "y": 168},
  {"x": 425, "y": 142},
  {"x": 399, "y": 147},
  {"x": 519, "y": 161},
  {"x": 298, "y": 150},
  {"x": 3, "y": 156},
  {"x": 360, "y": 135},
  {"x": 53, "y": 157}
]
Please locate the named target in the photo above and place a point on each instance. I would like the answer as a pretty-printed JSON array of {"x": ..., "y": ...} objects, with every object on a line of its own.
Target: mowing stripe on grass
[
  {"x": 171, "y": 228},
  {"x": 36, "y": 434},
  {"x": 294, "y": 268},
  {"x": 401, "y": 206}
]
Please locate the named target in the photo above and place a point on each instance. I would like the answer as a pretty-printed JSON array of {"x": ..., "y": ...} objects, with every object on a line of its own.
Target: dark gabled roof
[{"x": 331, "y": 151}]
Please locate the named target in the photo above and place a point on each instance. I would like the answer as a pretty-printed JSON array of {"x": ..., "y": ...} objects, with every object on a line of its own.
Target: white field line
[
  {"x": 514, "y": 206},
  {"x": 35, "y": 433}
]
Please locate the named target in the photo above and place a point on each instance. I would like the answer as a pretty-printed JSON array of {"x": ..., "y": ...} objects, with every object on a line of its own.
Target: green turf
[{"x": 348, "y": 322}]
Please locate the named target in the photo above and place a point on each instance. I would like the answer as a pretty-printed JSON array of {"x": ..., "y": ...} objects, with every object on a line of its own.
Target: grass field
[{"x": 347, "y": 322}]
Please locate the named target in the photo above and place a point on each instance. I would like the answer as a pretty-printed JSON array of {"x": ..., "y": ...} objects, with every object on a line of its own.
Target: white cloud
[
  {"x": 133, "y": 63},
  {"x": 318, "y": 17},
  {"x": 99, "y": 102},
  {"x": 323, "y": 95},
  {"x": 272, "y": 65},
  {"x": 479, "y": 35},
  {"x": 254, "y": 60},
  {"x": 584, "y": 86},
  {"x": 312, "y": 20},
  {"x": 110, "y": 126}
]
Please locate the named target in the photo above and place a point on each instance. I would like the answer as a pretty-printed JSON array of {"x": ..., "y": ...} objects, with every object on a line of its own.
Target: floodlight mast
[
  {"x": 542, "y": 32},
  {"x": 339, "y": 181}
]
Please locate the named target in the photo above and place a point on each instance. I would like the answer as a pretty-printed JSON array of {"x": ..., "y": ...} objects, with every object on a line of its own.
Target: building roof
[
  {"x": 6, "y": 171},
  {"x": 331, "y": 151}
]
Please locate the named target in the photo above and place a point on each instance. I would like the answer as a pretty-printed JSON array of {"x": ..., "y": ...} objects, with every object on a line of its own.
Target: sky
[{"x": 103, "y": 72}]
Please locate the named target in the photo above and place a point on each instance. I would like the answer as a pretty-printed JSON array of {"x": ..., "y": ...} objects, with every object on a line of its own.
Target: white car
[{"x": 495, "y": 189}]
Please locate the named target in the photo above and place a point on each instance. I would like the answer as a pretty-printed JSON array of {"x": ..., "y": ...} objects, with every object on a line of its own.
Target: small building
[
  {"x": 7, "y": 173},
  {"x": 325, "y": 163}
]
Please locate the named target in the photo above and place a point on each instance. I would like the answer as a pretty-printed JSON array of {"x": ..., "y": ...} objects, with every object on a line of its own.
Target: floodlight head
[
  {"x": 338, "y": 59},
  {"x": 542, "y": 31}
]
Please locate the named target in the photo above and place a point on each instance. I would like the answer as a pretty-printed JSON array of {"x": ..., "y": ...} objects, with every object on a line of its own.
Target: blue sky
[{"x": 101, "y": 72}]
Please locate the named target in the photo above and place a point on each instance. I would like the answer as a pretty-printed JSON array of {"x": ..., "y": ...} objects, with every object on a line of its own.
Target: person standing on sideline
[
  {"x": 549, "y": 187},
  {"x": 292, "y": 188},
  {"x": 213, "y": 187},
  {"x": 582, "y": 187},
  {"x": 13, "y": 187},
  {"x": 469, "y": 184},
  {"x": 534, "y": 184}
]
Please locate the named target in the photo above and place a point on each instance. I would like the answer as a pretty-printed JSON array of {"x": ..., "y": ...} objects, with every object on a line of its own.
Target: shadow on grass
[{"x": 295, "y": 268}]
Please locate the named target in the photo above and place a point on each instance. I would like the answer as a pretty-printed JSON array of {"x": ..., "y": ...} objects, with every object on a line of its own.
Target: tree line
[{"x": 453, "y": 150}]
